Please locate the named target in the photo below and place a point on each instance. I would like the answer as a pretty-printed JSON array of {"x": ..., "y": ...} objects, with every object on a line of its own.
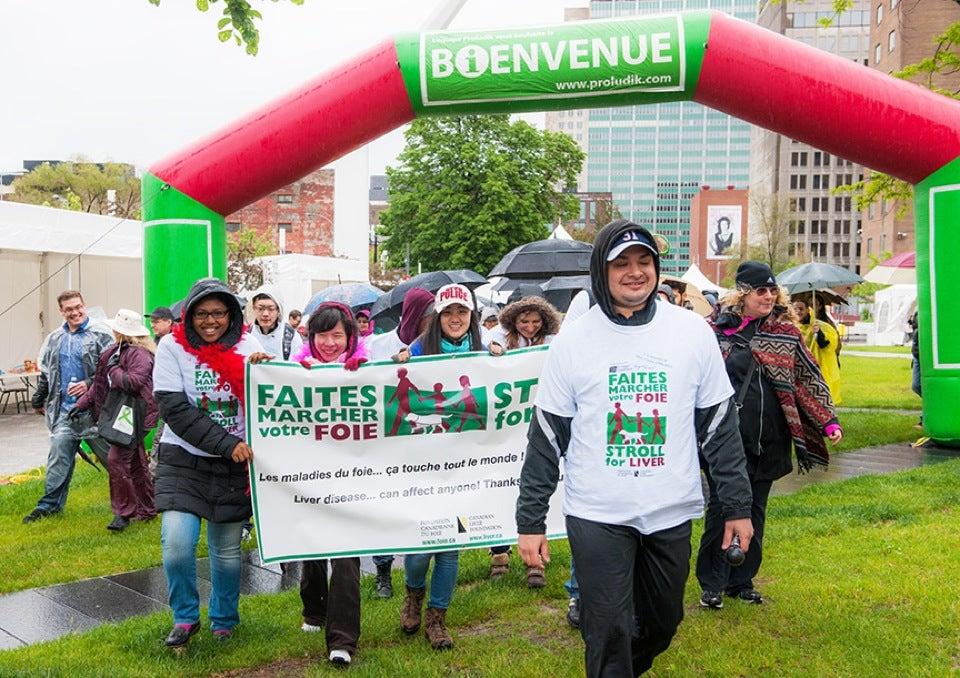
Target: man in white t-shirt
[{"x": 628, "y": 395}]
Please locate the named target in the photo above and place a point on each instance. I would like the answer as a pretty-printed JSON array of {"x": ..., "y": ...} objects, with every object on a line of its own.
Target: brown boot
[
  {"x": 536, "y": 577},
  {"x": 499, "y": 565},
  {"x": 410, "y": 612},
  {"x": 436, "y": 629}
]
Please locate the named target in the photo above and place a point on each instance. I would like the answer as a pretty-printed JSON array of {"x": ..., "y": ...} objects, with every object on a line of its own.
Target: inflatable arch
[{"x": 708, "y": 57}]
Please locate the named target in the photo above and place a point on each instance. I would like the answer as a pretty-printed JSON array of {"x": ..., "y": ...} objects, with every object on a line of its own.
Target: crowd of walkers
[{"x": 750, "y": 388}]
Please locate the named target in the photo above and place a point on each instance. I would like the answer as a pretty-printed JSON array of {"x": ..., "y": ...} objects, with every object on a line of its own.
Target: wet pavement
[
  {"x": 24, "y": 443},
  {"x": 50, "y": 612}
]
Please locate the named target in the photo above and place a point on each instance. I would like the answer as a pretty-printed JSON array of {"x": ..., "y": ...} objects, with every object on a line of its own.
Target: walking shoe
[
  {"x": 751, "y": 596},
  {"x": 712, "y": 600},
  {"x": 311, "y": 628},
  {"x": 36, "y": 514},
  {"x": 245, "y": 531},
  {"x": 180, "y": 634},
  {"x": 499, "y": 565},
  {"x": 536, "y": 577},
  {"x": 573, "y": 613},
  {"x": 384, "y": 584},
  {"x": 410, "y": 612},
  {"x": 436, "y": 629},
  {"x": 340, "y": 658},
  {"x": 222, "y": 635},
  {"x": 118, "y": 524}
]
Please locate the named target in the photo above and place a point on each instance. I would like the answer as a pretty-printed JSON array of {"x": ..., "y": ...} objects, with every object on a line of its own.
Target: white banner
[
  {"x": 419, "y": 457},
  {"x": 724, "y": 223}
]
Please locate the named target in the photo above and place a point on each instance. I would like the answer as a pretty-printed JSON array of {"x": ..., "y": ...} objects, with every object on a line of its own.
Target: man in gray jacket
[
  {"x": 629, "y": 394},
  {"x": 68, "y": 360}
]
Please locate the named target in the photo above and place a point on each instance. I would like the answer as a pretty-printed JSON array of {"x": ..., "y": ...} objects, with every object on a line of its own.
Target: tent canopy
[{"x": 32, "y": 228}]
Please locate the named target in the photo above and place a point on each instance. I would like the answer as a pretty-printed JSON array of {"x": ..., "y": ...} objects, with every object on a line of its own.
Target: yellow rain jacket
[{"x": 826, "y": 356}]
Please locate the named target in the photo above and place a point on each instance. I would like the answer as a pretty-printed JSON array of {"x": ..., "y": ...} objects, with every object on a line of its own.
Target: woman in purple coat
[{"x": 127, "y": 366}]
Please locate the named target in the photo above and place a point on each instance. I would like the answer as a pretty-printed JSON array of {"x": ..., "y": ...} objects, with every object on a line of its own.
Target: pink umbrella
[
  {"x": 905, "y": 260},
  {"x": 901, "y": 269}
]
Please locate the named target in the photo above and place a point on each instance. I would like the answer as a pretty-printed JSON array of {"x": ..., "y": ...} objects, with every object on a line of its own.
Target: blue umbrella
[{"x": 354, "y": 295}]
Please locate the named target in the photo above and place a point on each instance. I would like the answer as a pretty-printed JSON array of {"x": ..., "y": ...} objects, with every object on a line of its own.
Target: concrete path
[
  {"x": 47, "y": 613},
  {"x": 24, "y": 443}
]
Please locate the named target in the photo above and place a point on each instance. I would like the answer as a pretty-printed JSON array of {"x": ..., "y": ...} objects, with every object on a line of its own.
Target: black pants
[
  {"x": 631, "y": 593},
  {"x": 713, "y": 572},
  {"x": 334, "y": 605}
]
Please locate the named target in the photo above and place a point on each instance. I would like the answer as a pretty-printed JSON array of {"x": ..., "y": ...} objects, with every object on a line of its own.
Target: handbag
[{"x": 121, "y": 418}]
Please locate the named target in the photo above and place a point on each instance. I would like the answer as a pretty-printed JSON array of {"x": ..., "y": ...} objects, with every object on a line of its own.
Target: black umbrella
[
  {"x": 545, "y": 258},
  {"x": 510, "y": 284},
  {"x": 560, "y": 290},
  {"x": 390, "y": 303}
]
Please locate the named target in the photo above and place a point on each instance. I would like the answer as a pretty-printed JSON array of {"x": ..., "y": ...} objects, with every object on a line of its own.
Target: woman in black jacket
[{"x": 202, "y": 466}]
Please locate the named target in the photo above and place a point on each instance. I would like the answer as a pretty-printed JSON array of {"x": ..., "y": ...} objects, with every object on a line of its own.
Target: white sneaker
[
  {"x": 341, "y": 657},
  {"x": 310, "y": 628}
]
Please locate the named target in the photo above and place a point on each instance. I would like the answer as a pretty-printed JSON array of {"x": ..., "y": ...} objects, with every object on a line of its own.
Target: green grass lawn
[
  {"x": 876, "y": 382},
  {"x": 869, "y": 429},
  {"x": 877, "y": 349},
  {"x": 860, "y": 578}
]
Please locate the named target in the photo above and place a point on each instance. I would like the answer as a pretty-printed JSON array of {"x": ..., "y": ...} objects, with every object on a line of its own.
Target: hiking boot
[
  {"x": 436, "y": 630},
  {"x": 751, "y": 596},
  {"x": 36, "y": 514},
  {"x": 410, "y": 612},
  {"x": 118, "y": 524},
  {"x": 383, "y": 587},
  {"x": 536, "y": 577},
  {"x": 499, "y": 565},
  {"x": 712, "y": 600},
  {"x": 573, "y": 613},
  {"x": 180, "y": 634}
]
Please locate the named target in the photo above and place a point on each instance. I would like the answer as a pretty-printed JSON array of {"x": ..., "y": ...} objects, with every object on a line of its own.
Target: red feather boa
[{"x": 225, "y": 361}]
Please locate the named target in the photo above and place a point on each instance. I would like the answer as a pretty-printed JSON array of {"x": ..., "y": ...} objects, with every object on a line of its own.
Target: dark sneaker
[
  {"x": 118, "y": 524},
  {"x": 751, "y": 596},
  {"x": 180, "y": 634},
  {"x": 573, "y": 613},
  {"x": 36, "y": 514},
  {"x": 383, "y": 587},
  {"x": 222, "y": 635},
  {"x": 246, "y": 531},
  {"x": 712, "y": 600}
]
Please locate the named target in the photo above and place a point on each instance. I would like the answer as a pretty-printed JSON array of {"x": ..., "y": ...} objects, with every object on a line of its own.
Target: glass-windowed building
[{"x": 654, "y": 158}]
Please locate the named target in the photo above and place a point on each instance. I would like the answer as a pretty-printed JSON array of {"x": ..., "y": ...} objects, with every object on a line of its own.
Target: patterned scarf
[{"x": 780, "y": 353}]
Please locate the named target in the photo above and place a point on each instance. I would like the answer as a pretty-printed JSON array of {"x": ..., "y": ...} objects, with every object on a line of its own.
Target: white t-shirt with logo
[
  {"x": 631, "y": 391},
  {"x": 176, "y": 370}
]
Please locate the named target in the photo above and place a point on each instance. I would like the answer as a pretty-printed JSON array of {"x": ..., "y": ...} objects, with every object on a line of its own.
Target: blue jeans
[
  {"x": 179, "y": 533},
  {"x": 444, "y": 577},
  {"x": 571, "y": 585},
  {"x": 915, "y": 374},
  {"x": 61, "y": 460}
]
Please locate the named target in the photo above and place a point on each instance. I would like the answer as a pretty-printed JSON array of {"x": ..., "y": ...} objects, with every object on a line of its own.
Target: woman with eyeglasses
[
  {"x": 783, "y": 403},
  {"x": 202, "y": 465}
]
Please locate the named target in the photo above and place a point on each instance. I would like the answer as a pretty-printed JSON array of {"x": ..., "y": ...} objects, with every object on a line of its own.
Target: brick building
[
  {"x": 901, "y": 33},
  {"x": 297, "y": 218}
]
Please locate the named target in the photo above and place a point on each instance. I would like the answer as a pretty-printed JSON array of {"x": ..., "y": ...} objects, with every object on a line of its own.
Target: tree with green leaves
[
  {"x": 469, "y": 189},
  {"x": 243, "y": 246},
  {"x": 237, "y": 23},
  {"x": 80, "y": 185}
]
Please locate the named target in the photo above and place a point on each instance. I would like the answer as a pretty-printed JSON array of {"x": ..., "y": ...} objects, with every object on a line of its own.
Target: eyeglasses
[
  {"x": 216, "y": 315},
  {"x": 762, "y": 291},
  {"x": 265, "y": 309}
]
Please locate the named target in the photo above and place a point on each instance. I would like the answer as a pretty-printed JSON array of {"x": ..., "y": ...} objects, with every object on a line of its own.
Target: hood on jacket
[
  {"x": 355, "y": 343},
  {"x": 604, "y": 242},
  {"x": 551, "y": 319},
  {"x": 273, "y": 293},
  {"x": 213, "y": 287},
  {"x": 417, "y": 303}
]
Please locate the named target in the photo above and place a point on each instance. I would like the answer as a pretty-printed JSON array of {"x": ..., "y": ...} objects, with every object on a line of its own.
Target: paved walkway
[
  {"x": 24, "y": 443},
  {"x": 47, "y": 613}
]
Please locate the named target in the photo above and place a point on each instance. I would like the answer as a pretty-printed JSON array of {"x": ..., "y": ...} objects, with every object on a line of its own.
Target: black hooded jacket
[
  {"x": 212, "y": 488},
  {"x": 717, "y": 428}
]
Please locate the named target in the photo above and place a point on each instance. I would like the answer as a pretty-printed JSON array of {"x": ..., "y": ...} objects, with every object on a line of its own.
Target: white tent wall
[
  {"x": 892, "y": 308},
  {"x": 299, "y": 276}
]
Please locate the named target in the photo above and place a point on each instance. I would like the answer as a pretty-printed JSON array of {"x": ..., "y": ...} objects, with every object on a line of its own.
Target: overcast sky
[{"x": 123, "y": 80}]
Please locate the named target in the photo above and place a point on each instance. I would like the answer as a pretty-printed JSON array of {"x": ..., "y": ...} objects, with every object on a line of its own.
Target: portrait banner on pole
[{"x": 419, "y": 457}]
